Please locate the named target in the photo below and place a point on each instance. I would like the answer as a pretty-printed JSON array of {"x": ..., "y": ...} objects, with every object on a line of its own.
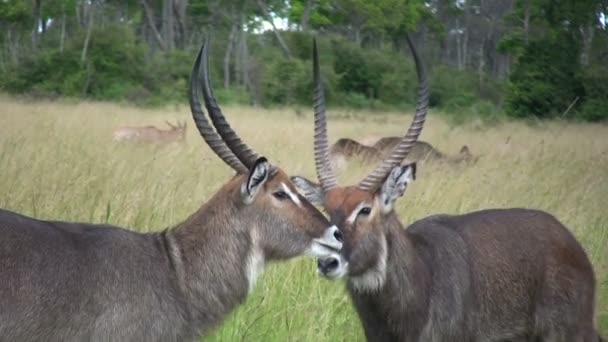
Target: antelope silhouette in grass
[
  {"x": 62, "y": 281},
  {"x": 489, "y": 275},
  {"x": 152, "y": 134},
  {"x": 346, "y": 149}
]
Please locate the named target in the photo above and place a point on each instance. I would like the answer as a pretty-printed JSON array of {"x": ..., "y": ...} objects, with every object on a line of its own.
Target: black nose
[
  {"x": 327, "y": 265},
  {"x": 338, "y": 235}
]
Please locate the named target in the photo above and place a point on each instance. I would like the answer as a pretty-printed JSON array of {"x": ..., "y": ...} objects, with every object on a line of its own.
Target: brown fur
[
  {"x": 346, "y": 149},
  {"x": 490, "y": 275},
  {"x": 152, "y": 134},
  {"x": 76, "y": 281}
]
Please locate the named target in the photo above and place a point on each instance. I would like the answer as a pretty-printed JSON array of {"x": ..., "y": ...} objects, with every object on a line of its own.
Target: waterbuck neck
[
  {"x": 398, "y": 261},
  {"x": 405, "y": 291},
  {"x": 213, "y": 252}
]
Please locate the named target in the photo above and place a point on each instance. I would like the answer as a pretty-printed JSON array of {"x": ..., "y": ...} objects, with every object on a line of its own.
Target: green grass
[{"x": 58, "y": 161}]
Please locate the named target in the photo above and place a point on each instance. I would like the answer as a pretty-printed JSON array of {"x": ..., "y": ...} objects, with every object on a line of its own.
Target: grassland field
[{"x": 58, "y": 161}]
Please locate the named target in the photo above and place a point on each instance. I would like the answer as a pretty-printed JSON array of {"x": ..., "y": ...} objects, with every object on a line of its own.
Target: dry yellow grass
[{"x": 58, "y": 160}]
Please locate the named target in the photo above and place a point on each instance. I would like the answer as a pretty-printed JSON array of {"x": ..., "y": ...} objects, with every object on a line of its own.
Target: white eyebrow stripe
[
  {"x": 353, "y": 216},
  {"x": 293, "y": 196}
]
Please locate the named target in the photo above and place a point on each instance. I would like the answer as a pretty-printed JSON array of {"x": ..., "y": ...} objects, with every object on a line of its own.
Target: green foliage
[
  {"x": 14, "y": 11},
  {"x": 287, "y": 81},
  {"x": 115, "y": 63},
  {"x": 595, "y": 81},
  {"x": 545, "y": 80},
  {"x": 113, "y": 66}
]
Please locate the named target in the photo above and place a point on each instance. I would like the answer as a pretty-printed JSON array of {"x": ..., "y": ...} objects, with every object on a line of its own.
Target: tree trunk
[
  {"x": 168, "y": 25},
  {"x": 228, "y": 54},
  {"x": 274, "y": 29},
  {"x": 179, "y": 9},
  {"x": 152, "y": 25},
  {"x": 587, "y": 34},
  {"x": 245, "y": 56},
  {"x": 62, "y": 37},
  {"x": 481, "y": 65},
  {"x": 458, "y": 46},
  {"x": 36, "y": 13},
  {"x": 526, "y": 21},
  {"x": 238, "y": 56},
  {"x": 85, "y": 47},
  {"x": 357, "y": 32},
  {"x": 304, "y": 21},
  {"x": 12, "y": 47}
]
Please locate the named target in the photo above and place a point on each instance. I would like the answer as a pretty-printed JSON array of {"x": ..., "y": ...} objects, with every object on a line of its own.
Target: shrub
[{"x": 544, "y": 80}]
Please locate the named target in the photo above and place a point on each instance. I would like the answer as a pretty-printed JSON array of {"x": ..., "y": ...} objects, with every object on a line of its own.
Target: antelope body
[
  {"x": 490, "y": 275},
  {"x": 423, "y": 151},
  {"x": 345, "y": 149},
  {"x": 62, "y": 281},
  {"x": 150, "y": 134}
]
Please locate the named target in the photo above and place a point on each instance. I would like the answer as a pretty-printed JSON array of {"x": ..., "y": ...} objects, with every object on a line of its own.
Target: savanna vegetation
[
  {"x": 71, "y": 71},
  {"x": 525, "y": 58},
  {"x": 58, "y": 161}
]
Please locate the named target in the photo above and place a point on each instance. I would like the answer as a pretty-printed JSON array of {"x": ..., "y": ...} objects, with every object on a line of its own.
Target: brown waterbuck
[
  {"x": 346, "y": 149},
  {"x": 152, "y": 134},
  {"x": 490, "y": 275},
  {"x": 63, "y": 281}
]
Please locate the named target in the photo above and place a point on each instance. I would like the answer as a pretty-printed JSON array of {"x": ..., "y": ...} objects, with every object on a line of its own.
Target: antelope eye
[
  {"x": 280, "y": 195},
  {"x": 365, "y": 211}
]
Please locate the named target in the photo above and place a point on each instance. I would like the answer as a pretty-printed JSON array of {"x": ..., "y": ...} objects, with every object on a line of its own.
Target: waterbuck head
[
  {"x": 362, "y": 212},
  {"x": 264, "y": 201}
]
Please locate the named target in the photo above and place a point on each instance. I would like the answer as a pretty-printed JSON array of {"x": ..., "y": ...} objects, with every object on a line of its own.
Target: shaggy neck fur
[
  {"x": 373, "y": 279},
  {"x": 402, "y": 291},
  {"x": 217, "y": 258}
]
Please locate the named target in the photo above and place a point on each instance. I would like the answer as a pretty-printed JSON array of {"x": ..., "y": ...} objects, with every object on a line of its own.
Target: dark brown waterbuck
[
  {"x": 345, "y": 149},
  {"x": 63, "y": 281},
  {"x": 490, "y": 275}
]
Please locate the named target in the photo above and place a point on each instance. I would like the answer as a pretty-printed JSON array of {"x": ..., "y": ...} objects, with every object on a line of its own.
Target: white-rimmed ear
[
  {"x": 258, "y": 175},
  {"x": 309, "y": 190},
  {"x": 395, "y": 184}
]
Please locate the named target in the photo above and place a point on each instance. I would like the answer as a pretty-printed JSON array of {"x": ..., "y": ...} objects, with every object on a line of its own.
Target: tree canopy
[{"x": 541, "y": 58}]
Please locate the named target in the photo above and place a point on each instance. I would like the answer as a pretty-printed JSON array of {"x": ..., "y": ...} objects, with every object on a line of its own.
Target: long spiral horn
[
  {"x": 326, "y": 175},
  {"x": 214, "y": 141},
  {"x": 245, "y": 154},
  {"x": 376, "y": 177}
]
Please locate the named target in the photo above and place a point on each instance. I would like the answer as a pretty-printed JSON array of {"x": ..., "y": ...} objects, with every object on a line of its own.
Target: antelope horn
[
  {"x": 246, "y": 155},
  {"x": 326, "y": 175},
  {"x": 376, "y": 177},
  {"x": 214, "y": 141}
]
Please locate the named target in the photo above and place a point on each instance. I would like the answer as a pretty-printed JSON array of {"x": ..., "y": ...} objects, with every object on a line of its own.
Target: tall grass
[{"x": 58, "y": 161}]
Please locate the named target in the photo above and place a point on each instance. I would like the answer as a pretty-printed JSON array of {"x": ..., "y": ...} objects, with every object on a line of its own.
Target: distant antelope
[
  {"x": 490, "y": 275},
  {"x": 346, "y": 149},
  {"x": 62, "y": 281},
  {"x": 149, "y": 134}
]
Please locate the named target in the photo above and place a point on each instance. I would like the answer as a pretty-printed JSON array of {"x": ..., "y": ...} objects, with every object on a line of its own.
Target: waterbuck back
[{"x": 346, "y": 149}]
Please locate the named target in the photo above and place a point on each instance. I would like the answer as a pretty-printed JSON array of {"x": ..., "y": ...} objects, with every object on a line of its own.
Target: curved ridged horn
[
  {"x": 238, "y": 147},
  {"x": 376, "y": 177},
  {"x": 326, "y": 176},
  {"x": 214, "y": 141}
]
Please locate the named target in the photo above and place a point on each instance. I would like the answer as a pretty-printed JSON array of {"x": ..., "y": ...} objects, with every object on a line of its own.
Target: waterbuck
[
  {"x": 152, "y": 134},
  {"x": 490, "y": 275},
  {"x": 62, "y": 281},
  {"x": 345, "y": 149}
]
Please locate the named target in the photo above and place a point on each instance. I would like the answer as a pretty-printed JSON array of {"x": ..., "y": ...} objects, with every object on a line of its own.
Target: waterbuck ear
[
  {"x": 309, "y": 190},
  {"x": 258, "y": 175},
  {"x": 395, "y": 184}
]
